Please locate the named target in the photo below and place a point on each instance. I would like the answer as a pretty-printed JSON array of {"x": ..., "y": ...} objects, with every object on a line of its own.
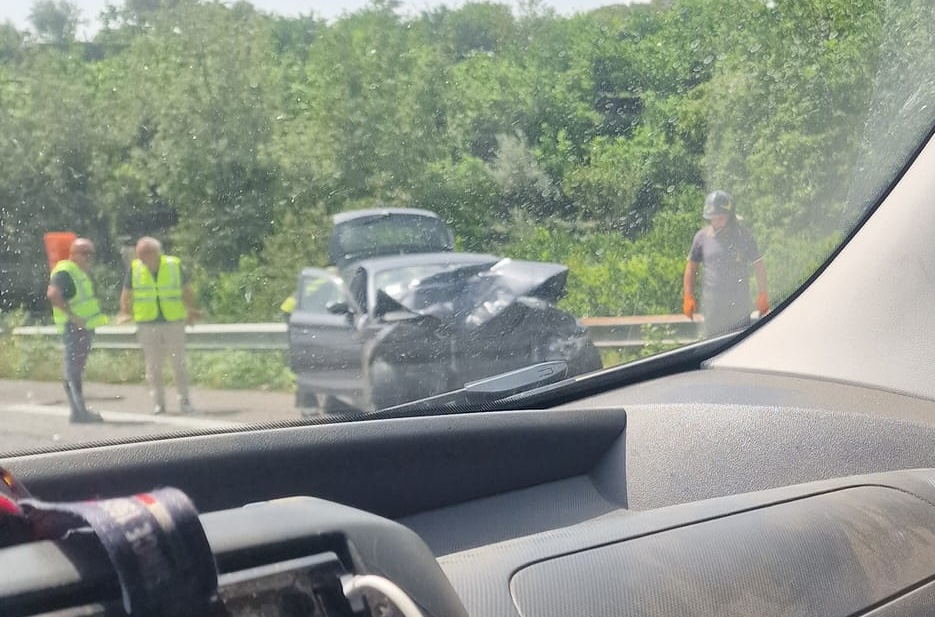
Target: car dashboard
[{"x": 709, "y": 491}]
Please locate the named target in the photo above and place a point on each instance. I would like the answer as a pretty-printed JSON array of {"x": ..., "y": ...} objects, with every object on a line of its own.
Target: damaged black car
[{"x": 409, "y": 318}]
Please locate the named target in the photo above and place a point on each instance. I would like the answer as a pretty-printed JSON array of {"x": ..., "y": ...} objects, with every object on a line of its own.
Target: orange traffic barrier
[{"x": 58, "y": 246}]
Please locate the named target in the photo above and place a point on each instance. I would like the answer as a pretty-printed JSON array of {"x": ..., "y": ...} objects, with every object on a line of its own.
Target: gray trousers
[
  {"x": 77, "y": 348},
  {"x": 723, "y": 315},
  {"x": 163, "y": 341}
]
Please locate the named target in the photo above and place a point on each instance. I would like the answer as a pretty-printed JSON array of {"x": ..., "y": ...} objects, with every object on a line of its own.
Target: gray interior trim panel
[{"x": 800, "y": 532}]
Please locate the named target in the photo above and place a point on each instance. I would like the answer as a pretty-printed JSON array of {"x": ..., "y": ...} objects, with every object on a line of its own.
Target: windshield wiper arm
[{"x": 483, "y": 391}]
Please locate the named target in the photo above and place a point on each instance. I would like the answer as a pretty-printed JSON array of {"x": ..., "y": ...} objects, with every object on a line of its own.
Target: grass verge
[{"x": 41, "y": 360}]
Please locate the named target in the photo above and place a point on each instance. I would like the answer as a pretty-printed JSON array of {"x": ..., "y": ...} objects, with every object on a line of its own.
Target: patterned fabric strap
[{"x": 155, "y": 543}]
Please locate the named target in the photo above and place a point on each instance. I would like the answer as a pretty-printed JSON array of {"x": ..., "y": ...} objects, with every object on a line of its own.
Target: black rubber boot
[{"x": 79, "y": 412}]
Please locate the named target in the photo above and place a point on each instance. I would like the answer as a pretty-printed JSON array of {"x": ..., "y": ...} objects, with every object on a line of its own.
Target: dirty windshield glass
[{"x": 218, "y": 214}]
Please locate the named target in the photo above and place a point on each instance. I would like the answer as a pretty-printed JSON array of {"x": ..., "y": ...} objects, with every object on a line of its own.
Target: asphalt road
[{"x": 34, "y": 414}]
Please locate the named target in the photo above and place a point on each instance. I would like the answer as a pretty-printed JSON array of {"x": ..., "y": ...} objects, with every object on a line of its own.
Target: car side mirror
[{"x": 338, "y": 308}]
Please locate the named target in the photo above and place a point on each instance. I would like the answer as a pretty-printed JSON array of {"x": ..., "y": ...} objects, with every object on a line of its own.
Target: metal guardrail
[
  {"x": 640, "y": 330},
  {"x": 201, "y": 337},
  {"x": 610, "y": 332}
]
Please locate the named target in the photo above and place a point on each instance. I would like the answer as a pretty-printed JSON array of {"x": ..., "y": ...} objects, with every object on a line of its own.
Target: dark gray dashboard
[
  {"x": 828, "y": 548},
  {"x": 680, "y": 495}
]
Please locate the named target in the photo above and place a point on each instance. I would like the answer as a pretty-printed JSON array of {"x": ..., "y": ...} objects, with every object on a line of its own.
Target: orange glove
[
  {"x": 688, "y": 305},
  {"x": 762, "y": 303}
]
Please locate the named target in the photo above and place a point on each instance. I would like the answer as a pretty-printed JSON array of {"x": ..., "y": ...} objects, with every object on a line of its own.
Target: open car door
[{"x": 325, "y": 352}]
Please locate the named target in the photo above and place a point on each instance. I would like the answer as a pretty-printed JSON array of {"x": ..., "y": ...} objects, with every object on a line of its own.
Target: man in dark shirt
[
  {"x": 728, "y": 251},
  {"x": 63, "y": 282},
  {"x": 77, "y": 313}
]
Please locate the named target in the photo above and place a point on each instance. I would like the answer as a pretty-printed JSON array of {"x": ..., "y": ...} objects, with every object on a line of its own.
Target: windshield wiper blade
[
  {"x": 478, "y": 395},
  {"x": 483, "y": 391}
]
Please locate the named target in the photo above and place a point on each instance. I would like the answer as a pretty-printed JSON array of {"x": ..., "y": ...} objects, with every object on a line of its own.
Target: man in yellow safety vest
[
  {"x": 160, "y": 301},
  {"x": 77, "y": 312}
]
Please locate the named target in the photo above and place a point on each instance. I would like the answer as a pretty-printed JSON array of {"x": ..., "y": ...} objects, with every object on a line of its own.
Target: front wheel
[
  {"x": 588, "y": 359},
  {"x": 313, "y": 404},
  {"x": 389, "y": 385},
  {"x": 306, "y": 401},
  {"x": 576, "y": 348}
]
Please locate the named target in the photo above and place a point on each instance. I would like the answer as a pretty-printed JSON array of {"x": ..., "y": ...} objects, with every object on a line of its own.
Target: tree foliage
[
  {"x": 55, "y": 21},
  {"x": 589, "y": 140}
]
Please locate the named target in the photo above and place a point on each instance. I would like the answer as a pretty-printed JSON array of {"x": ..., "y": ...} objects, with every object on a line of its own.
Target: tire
[
  {"x": 326, "y": 403},
  {"x": 312, "y": 404},
  {"x": 307, "y": 402},
  {"x": 588, "y": 360},
  {"x": 304, "y": 397},
  {"x": 382, "y": 384}
]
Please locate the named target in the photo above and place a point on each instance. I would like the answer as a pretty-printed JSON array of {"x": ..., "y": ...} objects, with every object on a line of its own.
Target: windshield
[
  {"x": 368, "y": 235},
  {"x": 178, "y": 175}
]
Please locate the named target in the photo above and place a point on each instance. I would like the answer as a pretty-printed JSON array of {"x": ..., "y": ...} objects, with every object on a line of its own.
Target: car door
[{"x": 325, "y": 351}]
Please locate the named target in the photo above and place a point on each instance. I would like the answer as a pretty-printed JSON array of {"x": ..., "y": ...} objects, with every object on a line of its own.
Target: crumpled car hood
[
  {"x": 470, "y": 323},
  {"x": 470, "y": 296}
]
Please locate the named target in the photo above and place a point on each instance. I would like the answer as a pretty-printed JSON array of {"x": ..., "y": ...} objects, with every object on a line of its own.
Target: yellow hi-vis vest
[
  {"x": 84, "y": 304},
  {"x": 164, "y": 292}
]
